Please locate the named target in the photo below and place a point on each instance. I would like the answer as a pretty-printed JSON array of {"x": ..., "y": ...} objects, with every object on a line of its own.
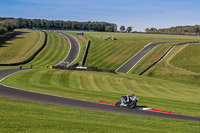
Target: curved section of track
[
  {"x": 10, "y": 92},
  {"x": 74, "y": 49},
  {"x": 128, "y": 65}
]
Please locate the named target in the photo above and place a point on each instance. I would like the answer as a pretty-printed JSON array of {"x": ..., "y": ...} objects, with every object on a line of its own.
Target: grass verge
[
  {"x": 166, "y": 70},
  {"x": 188, "y": 58},
  {"x": 21, "y": 47},
  {"x": 28, "y": 117},
  {"x": 102, "y": 87}
]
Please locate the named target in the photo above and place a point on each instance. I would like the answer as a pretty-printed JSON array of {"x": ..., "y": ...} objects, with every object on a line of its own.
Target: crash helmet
[{"x": 132, "y": 95}]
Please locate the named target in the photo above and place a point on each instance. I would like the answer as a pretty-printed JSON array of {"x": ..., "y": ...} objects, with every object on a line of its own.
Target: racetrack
[
  {"x": 128, "y": 65},
  {"x": 10, "y": 92},
  {"x": 74, "y": 49}
]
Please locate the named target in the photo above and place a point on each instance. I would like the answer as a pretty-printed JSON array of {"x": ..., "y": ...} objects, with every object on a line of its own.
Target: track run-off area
[{"x": 9, "y": 92}]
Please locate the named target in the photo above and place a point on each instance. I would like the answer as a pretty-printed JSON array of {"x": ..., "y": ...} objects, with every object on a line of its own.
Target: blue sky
[{"x": 140, "y": 14}]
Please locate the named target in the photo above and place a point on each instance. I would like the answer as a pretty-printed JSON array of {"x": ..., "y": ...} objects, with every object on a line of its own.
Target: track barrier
[
  {"x": 84, "y": 69},
  {"x": 85, "y": 54}
]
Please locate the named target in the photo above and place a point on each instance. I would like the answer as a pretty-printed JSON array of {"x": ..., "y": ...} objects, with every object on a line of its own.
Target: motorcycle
[{"x": 131, "y": 104}]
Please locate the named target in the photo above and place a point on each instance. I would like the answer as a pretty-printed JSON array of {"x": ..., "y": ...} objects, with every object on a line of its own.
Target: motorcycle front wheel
[{"x": 132, "y": 105}]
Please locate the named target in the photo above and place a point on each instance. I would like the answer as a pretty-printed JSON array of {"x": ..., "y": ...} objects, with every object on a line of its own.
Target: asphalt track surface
[
  {"x": 74, "y": 49},
  {"x": 128, "y": 65},
  {"x": 9, "y": 92}
]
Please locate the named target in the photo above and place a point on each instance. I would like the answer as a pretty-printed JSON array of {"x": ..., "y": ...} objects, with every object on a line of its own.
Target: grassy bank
[
  {"x": 109, "y": 54},
  {"x": 170, "y": 68},
  {"x": 27, "y": 117},
  {"x": 188, "y": 58},
  {"x": 55, "y": 51},
  {"x": 21, "y": 47},
  {"x": 150, "y": 58},
  {"x": 103, "y": 87}
]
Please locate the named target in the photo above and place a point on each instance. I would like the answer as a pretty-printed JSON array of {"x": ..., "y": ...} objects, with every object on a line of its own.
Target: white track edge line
[
  {"x": 79, "y": 48},
  {"x": 141, "y": 59},
  {"x": 9, "y": 75},
  {"x": 132, "y": 57},
  {"x": 69, "y": 50}
]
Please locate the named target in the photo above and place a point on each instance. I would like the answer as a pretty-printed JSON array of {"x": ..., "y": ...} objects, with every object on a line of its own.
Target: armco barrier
[
  {"x": 164, "y": 56},
  {"x": 32, "y": 57},
  {"x": 85, "y": 54},
  {"x": 84, "y": 69}
]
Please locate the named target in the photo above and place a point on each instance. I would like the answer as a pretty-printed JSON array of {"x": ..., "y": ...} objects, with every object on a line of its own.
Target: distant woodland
[
  {"x": 182, "y": 30},
  {"x": 9, "y": 24}
]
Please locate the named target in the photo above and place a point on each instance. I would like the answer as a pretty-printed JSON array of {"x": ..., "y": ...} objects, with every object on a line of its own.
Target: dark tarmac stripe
[
  {"x": 74, "y": 50},
  {"x": 127, "y": 66}
]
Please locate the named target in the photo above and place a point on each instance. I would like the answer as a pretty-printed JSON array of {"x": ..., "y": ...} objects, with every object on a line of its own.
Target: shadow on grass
[{"x": 10, "y": 37}]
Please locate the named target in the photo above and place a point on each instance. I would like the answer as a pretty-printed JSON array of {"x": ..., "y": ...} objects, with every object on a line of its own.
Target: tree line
[
  {"x": 55, "y": 24},
  {"x": 123, "y": 29},
  {"x": 7, "y": 25},
  {"x": 192, "y": 30}
]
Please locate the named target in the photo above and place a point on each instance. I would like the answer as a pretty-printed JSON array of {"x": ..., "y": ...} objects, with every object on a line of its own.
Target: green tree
[
  {"x": 109, "y": 29},
  {"x": 147, "y": 29},
  {"x": 196, "y": 30},
  {"x": 129, "y": 29},
  {"x": 122, "y": 28}
]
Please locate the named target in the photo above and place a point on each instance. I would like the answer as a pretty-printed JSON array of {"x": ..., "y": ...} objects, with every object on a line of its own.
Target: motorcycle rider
[{"x": 126, "y": 99}]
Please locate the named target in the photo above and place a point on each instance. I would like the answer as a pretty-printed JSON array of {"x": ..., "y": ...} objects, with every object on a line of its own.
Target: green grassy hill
[
  {"x": 103, "y": 87},
  {"x": 188, "y": 58},
  {"x": 55, "y": 51},
  {"x": 150, "y": 58},
  {"x": 181, "y": 67},
  {"x": 21, "y": 47},
  {"x": 109, "y": 54}
]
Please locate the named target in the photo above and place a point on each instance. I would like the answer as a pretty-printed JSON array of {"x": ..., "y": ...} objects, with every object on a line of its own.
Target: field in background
[
  {"x": 176, "y": 66},
  {"x": 21, "y": 47},
  {"x": 111, "y": 54},
  {"x": 188, "y": 58},
  {"x": 104, "y": 87}
]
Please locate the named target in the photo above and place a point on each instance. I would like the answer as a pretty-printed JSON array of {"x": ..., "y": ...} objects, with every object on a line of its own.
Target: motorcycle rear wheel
[{"x": 118, "y": 104}]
